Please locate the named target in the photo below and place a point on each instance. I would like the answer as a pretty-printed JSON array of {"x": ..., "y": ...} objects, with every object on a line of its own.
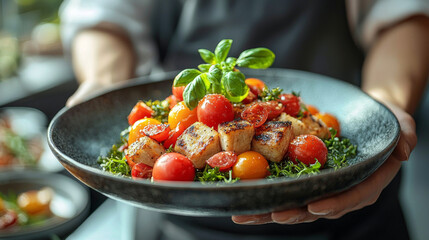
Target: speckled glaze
[{"x": 78, "y": 135}]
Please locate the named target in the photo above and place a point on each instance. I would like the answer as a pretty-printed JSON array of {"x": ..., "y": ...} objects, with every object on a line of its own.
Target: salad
[{"x": 219, "y": 126}]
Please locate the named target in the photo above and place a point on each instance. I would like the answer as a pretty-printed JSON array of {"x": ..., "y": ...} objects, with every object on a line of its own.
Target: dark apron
[{"x": 309, "y": 35}]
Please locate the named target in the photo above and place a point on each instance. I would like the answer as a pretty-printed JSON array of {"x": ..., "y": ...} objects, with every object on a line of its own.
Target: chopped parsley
[
  {"x": 339, "y": 151},
  {"x": 115, "y": 162},
  {"x": 270, "y": 94},
  {"x": 210, "y": 174},
  {"x": 160, "y": 109},
  {"x": 291, "y": 169}
]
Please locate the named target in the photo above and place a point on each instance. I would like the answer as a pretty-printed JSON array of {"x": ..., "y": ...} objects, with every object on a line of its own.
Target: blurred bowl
[{"x": 70, "y": 204}]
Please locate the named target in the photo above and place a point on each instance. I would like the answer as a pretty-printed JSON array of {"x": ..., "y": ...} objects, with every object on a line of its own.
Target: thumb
[{"x": 84, "y": 92}]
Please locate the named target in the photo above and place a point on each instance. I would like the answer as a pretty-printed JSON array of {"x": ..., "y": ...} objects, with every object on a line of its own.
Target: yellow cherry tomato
[
  {"x": 181, "y": 113},
  {"x": 136, "y": 131},
  {"x": 250, "y": 165}
]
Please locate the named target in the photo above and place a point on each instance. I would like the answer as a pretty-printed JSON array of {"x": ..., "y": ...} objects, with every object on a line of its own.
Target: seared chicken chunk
[
  {"x": 145, "y": 150},
  {"x": 272, "y": 140},
  {"x": 198, "y": 142},
  {"x": 236, "y": 135},
  {"x": 316, "y": 127},
  {"x": 298, "y": 127}
]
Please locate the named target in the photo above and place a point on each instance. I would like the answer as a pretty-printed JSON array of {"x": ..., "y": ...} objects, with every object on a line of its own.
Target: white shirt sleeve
[
  {"x": 368, "y": 17},
  {"x": 132, "y": 15}
]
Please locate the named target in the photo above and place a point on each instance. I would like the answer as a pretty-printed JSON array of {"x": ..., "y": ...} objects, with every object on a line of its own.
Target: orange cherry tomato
[
  {"x": 330, "y": 121},
  {"x": 250, "y": 165},
  {"x": 255, "y": 85},
  {"x": 137, "y": 129},
  {"x": 181, "y": 113},
  {"x": 139, "y": 111},
  {"x": 158, "y": 132},
  {"x": 312, "y": 109},
  {"x": 35, "y": 202},
  {"x": 178, "y": 92}
]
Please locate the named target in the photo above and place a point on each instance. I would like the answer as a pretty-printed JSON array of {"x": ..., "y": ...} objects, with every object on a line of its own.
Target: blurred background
[{"x": 35, "y": 73}]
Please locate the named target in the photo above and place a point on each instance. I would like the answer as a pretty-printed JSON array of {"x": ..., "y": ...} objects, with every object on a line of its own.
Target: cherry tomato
[
  {"x": 215, "y": 109},
  {"x": 172, "y": 101},
  {"x": 130, "y": 162},
  {"x": 141, "y": 170},
  {"x": 173, "y": 167},
  {"x": 330, "y": 121},
  {"x": 307, "y": 148},
  {"x": 256, "y": 114},
  {"x": 250, "y": 165},
  {"x": 136, "y": 131},
  {"x": 312, "y": 109},
  {"x": 291, "y": 103},
  {"x": 255, "y": 85},
  {"x": 178, "y": 92},
  {"x": 158, "y": 132},
  {"x": 35, "y": 202},
  {"x": 8, "y": 218},
  {"x": 250, "y": 98},
  {"x": 139, "y": 111},
  {"x": 174, "y": 134},
  {"x": 274, "y": 108},
  {"x": 181, "y": 113},
  {"x": 223, "y": 160}
]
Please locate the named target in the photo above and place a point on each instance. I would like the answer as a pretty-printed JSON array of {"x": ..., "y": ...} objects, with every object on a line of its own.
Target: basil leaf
[
  {"x": 207, "y": 56},
  {"x": 194, "y": 92},
  {"x": 231, "y": 61},
  {"x": 216, "y": 72},
  {"x": 185, "y": 77},
  {"x": 234, "y": 86},
  {"x": 222, "y": 50},
  {"x": 206, "y": 80},
  {"x": 258, "y": 58},
  {"x": 204, "y": 67}
]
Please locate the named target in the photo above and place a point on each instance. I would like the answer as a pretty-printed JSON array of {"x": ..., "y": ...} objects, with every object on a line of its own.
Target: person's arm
[
  {"x": 395, "y": 73},
  {"x": 101, "y": 56}
]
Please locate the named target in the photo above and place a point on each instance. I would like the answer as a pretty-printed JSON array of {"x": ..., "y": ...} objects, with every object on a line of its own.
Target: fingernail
[
  {"x": 289, "y": 220},
  {"x": 246, "y": 222},
  {"x": 323, "y": 212}
]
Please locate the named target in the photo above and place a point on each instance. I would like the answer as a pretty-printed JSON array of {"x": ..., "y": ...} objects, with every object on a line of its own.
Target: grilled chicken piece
[
  {"x": 298, "y": 127},
  {"x": 236, "y": 135},
  {"x": 198, "y": 142},
  {"x": 316, "y": 127},
  {"x": 145, "y": 150},
  {"x": 272, "y": 140}
]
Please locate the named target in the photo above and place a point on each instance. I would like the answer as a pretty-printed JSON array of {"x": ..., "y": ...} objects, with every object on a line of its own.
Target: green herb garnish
[
  {"x": 115, "y": 162},
  {"x": 219, "y": 74},
  {"x": 270, "y": 94},
  {"x": 160, "y": 109},
  {"x": 18, "y": 147},
  {"x": 210, "y": 175},
  {"x": 339, "y": 151},
  {"x": 291, "y": 169}
]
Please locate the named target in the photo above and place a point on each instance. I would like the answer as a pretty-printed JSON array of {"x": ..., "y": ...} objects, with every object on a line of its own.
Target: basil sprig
[{"x": 219, "y": 73}]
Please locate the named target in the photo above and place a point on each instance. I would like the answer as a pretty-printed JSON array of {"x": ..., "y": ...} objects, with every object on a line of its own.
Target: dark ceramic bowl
[{"x": 78, "y": 135}]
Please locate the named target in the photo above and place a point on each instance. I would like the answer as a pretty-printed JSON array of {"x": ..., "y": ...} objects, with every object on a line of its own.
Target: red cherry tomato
[
  {"x": 174, "y": 134},
  {"x": 173, "y": 167},
  {"x": 291, "y": 103},
  {"x": 223, "y": 160},
  {"x": 141, "y": 170},
  {"x": 307, "y": 148},
  {"x": 172, "y": 101},
  {"x": 158, "y": 132},
  {"x": 178, "y": 92},
  {"x": 139, "y": 111},
  {"x": 256, "y": 114},
  {"x": 250, "y": 98},
  {"x": 8, "y": 218},
  {"x": 274, "y": 108},
  {"x": 215, "y": 109}
]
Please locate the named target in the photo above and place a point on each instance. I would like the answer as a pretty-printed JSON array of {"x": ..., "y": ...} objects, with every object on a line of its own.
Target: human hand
[
  {"x": 359, "y": 196},
  {"x": 85, "y": 91}
]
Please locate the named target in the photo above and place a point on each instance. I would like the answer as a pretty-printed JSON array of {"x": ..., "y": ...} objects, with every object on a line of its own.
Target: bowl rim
[{"x": 202, "y": 186}]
